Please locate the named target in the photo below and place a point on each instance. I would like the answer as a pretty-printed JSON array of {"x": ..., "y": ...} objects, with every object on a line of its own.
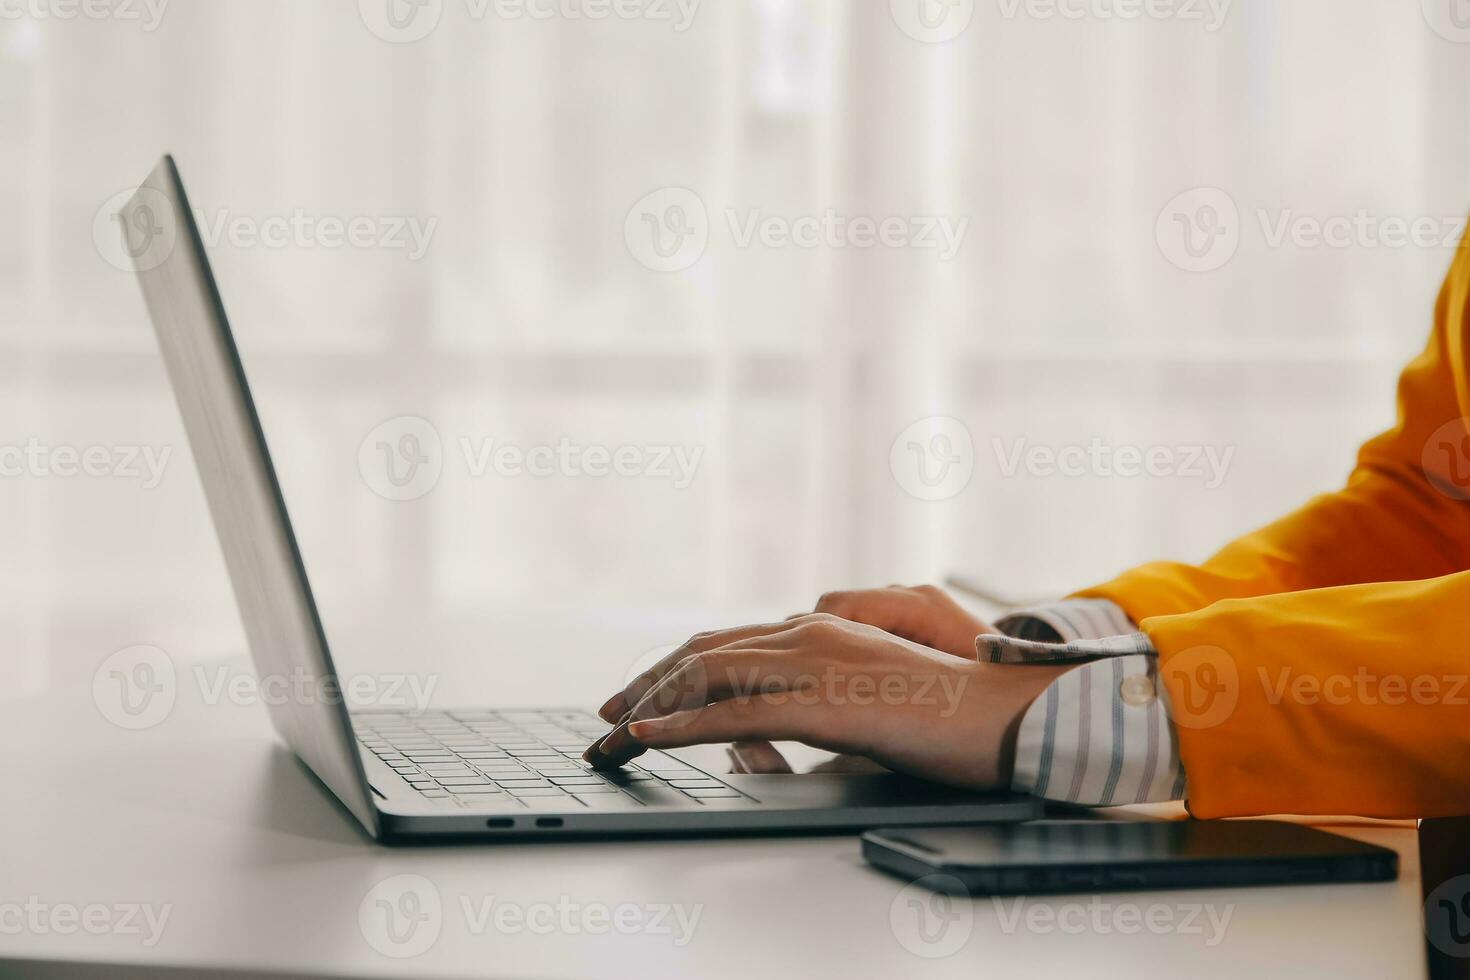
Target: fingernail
[
  {"x": 606, "y": 711},
  {"x": 638, "y": 729}
]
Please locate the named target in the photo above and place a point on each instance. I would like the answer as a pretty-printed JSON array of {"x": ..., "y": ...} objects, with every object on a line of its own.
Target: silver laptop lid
[{"x": 281, "y": 621}]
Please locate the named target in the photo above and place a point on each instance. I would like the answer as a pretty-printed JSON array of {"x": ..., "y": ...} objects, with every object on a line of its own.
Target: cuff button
[{"x": 1137, "y": 691}]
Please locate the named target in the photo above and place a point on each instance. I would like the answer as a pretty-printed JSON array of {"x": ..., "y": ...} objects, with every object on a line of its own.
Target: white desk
[{"x": 262, "y": 873}]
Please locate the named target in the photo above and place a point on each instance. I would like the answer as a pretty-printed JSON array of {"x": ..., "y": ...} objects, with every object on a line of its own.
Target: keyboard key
[
  {"x": 712, "y": 794},
  {"x": 655, "y": 763},
  {"x": 527, "y": 781},
  {"x": 583, "y": 780},
  {"x": 525, "y": 791},
  {"x": 487, "y": 789},
  {"x": 463, "y": 781},
  {"x": 441, "y": 769},
  {"x": 657, "y": 794},
  {"x": 564, "y": 717},
  {"x": 615, "y": 801},
  {"x": 629, "y": 776}
]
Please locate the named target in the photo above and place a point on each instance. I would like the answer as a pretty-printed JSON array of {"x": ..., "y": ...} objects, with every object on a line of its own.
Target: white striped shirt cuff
[
  {"x": 1068, "y": 620},
  {"x": 1099, "y": 735}
]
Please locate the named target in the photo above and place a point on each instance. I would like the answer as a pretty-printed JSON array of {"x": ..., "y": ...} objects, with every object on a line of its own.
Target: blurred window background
[{"x": 750, "y": 242}]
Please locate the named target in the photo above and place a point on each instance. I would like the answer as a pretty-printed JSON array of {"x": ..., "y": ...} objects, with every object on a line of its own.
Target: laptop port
[
  {"x": 548, "y": 821},
  {"x": 500, "y": 823}
]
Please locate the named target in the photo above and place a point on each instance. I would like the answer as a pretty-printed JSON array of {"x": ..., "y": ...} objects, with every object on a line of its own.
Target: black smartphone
[{"x": 1050, "y": 856}]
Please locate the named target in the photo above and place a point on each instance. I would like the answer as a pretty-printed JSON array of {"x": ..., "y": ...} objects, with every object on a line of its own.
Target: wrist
[{"x": 1013, "y": 689}]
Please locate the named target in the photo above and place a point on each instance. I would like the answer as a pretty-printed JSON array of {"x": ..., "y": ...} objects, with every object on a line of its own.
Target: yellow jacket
[{"x": 1322, "y": 663}]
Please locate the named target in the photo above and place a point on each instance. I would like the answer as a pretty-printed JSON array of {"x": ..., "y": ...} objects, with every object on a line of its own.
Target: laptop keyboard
[{"x": 524, "y": 759}]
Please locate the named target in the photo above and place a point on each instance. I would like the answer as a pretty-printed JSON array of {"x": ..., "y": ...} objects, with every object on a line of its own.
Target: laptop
[{"x": 476, "y": 773}]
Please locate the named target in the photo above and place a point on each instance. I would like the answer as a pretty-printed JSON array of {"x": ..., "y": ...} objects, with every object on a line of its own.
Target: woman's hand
[
  {"x": 837, "y": 685},
  {"x": 923, "y": 613}
]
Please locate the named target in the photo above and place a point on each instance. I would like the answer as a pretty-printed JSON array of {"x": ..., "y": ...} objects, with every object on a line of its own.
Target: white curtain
[{"x": 1056, "y": 142}]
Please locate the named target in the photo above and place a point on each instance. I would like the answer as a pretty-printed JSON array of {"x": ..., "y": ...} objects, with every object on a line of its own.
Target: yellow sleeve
[
  {"x": 1402, "y": 516},
  {"x": 1319, "y": 665},
  {"x": 1350, "y": 700}
]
